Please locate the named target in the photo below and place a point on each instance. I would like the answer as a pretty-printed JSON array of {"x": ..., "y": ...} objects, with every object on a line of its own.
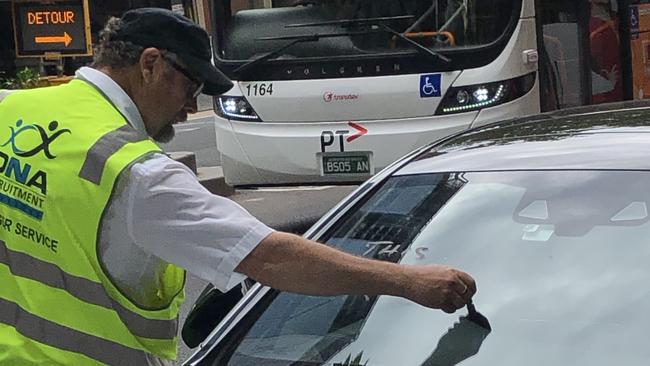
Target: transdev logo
[
  {"x": 46, "y": 139},
  {"x": 329, "y": 97},
  {"x": 430, "y": 85}
]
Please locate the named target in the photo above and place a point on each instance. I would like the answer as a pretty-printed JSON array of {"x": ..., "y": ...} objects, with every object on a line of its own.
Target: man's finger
[
  {"x": 460, "y": 287},
  {"x": 456, "y": 300},
  {"x": 463, "y": 290},
  {"x": 468, "y": 281},
  {"x": 449, "y": 309}
]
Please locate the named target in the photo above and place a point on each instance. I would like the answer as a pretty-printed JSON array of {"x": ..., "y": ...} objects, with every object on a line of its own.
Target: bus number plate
[
  {"x": 346, "y": 163},
  {"x": 259, "y": 89}
]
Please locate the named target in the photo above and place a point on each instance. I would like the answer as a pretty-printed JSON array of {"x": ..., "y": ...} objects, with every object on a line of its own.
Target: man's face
[{"x": 168, "y": 94}]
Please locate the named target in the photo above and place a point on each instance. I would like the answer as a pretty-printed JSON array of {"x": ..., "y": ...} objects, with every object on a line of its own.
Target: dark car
[{"x": 550, "y": 216}]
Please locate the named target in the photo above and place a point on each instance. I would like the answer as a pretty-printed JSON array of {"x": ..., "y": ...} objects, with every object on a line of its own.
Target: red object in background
[{"x": 605, "y": 57}]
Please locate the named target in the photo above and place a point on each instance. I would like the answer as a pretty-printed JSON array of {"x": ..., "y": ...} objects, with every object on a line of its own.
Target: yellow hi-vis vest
[{"x": 61, "y": 151}]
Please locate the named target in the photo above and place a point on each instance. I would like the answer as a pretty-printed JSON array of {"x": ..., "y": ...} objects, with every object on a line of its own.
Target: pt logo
[
  {"x": 327, "y": 136},
  {"x": 45, "y": 137}
]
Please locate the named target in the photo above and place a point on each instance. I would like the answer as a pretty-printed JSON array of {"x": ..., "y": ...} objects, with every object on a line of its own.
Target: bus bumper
[{"x": 262, "y": 153}]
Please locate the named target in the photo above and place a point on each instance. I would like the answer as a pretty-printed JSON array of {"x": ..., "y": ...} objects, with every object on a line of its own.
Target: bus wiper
[
  {"x": 346, "y": 22},
  {"x": 294, "y": 40},
  {"x": 378, "y": 23},
  {"x": 419, "y": 47}
]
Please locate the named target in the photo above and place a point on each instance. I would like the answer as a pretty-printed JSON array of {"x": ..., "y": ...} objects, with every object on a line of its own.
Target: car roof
[{"x": 614, "y": 136}]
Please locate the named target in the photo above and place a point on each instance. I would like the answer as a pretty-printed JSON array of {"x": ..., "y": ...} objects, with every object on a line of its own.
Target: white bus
[{"x": 332, "y": 91}]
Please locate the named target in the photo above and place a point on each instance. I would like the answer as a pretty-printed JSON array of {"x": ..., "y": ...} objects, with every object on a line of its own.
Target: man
[{"x": 95, "y": 222}]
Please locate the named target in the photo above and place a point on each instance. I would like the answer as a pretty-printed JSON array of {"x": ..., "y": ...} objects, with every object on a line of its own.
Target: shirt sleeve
[{"x": 172, "y": 216}]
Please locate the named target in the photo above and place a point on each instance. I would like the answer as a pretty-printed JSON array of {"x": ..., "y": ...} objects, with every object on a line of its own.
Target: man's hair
[{"x": 114, "y": 54}]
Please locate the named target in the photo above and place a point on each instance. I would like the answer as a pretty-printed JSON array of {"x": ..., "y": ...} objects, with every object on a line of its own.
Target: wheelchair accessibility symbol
[{"x": 430, "y": 85}]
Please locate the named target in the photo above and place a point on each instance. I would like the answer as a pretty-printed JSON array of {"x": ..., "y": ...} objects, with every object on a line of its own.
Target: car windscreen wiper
[
  {"x": 378, "y": 23},
  {"x": 294, "y": 40}
]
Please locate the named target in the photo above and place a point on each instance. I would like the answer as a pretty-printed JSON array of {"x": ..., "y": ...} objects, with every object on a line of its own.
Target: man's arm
[{"x": 291, "y": 263}]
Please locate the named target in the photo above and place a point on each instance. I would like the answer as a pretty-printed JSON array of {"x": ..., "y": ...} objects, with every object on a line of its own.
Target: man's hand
[{"x": 439, "y": 287}]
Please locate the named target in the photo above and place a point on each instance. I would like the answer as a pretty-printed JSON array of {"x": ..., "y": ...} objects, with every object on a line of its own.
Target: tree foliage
[{"x": 25, "y": 79}]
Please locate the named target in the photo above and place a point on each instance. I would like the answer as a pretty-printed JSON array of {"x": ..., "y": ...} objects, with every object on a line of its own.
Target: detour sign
[{"x": 57, "y": 27}]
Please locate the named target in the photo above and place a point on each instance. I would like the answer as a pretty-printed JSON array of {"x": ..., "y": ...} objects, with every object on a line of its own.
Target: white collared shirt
[{"x": 161, "y": 211}]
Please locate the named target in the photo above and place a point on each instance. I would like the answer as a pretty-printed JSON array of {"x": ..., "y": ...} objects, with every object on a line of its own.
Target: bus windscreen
[{"x": 250, "y": 29}]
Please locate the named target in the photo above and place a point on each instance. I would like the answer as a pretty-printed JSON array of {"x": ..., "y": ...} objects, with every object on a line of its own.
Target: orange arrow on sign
[{"x": 65, "y": 39}]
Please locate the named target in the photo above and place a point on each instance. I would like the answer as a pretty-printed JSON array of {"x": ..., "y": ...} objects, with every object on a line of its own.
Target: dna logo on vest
[
  {"x": 38, "y": 139},
  {"x": 46, "y": 139}
]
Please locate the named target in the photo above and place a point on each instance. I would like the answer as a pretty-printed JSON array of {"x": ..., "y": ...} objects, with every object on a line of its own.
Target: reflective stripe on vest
[
  {"x": 64, "y": 338},
  {"x": 104, "y": 148},
  {"x": 91, "y": 292}
]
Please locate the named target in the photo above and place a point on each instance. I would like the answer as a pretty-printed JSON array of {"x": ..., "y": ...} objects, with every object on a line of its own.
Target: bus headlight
[
  {"x": 475, "y": 97},
  {"x": 235, "y": 108}
]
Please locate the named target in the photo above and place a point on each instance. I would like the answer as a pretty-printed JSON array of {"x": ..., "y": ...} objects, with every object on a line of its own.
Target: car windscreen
[
  {"x": 560, "y": 259},
  {"x": 249, "y": 29}
]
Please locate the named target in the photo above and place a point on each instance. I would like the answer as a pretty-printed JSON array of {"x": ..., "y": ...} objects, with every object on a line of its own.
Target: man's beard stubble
[{"x": 166, "y": 134}]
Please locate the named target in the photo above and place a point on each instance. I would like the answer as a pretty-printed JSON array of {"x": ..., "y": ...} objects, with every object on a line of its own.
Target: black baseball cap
[{"x": 164, "y": 29}]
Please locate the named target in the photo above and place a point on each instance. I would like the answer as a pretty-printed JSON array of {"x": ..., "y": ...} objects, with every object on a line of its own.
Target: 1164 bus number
[{"x": 259, "y": 89}]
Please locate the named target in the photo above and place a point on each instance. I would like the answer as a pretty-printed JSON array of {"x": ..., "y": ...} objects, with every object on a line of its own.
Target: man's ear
[{"x": 148, "y": 60}]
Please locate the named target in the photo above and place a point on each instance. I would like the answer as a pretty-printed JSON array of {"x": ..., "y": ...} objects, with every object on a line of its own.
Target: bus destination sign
[{"x": 56, "y": 27}]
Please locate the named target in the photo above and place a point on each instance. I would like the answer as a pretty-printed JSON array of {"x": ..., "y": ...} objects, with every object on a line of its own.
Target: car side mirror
[{"x": 208, "y": 310}]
